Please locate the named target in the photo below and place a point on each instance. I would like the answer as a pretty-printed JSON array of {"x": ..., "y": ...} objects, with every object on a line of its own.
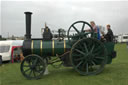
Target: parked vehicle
[
  {"x": 7, "y": 48},
  {"x": 124, "y": 38},
  {"x": 121, "y": 38}
]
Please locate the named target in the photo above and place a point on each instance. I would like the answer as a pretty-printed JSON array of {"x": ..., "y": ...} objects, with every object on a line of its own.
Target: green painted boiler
[{"x": 45, "y": 48}]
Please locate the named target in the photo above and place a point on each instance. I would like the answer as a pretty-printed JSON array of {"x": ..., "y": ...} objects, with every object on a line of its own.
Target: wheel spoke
[
  {"x": 93, "y": 63},
  {"x": 80, "y": 51},
  {"x": 83, "y": 27},
  {"x": 81, "y": 47},
  {"x": 39, "y": 68},
  {"x": 34, "y": 73},
  {"x": 95, "y": 60},
  {"x": 79, "y": 64},
  {"x": 28, "y": 61},
  {"x": 97, "y": 54},
  {"x": 35, "y": 62},
  {"x": 90, "y": 44},
  {"x": 27, "y": 70},
  {"x": 75, "y": 29},
  {"x": 85, "y": 46},
  {"x": 99, "y": 58},
  {"x": 87, "y": 67},
  {"x": 26, "y": 66},
  {"x": 30, "y": 73},
  {"x": 38, "y": 64},
  {"x": 92, "y": 48}
]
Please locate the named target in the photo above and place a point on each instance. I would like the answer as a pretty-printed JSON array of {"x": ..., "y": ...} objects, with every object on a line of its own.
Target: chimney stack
[{"x": 28, "y": 25}]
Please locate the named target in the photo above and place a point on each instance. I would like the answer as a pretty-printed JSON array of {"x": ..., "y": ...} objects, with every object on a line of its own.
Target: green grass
[{"x": 113, "y": 74}]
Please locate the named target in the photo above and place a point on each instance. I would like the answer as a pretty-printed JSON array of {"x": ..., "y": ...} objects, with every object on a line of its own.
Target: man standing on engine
[{"x": 109, "y": 36}]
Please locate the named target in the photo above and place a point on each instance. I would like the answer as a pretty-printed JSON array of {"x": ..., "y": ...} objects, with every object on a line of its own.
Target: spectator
[
  {"x": 21, "y": 56},
  {"x": 17, "y": 58}
]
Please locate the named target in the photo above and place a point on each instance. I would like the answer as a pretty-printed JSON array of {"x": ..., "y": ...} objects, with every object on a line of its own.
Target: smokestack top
[{"x": 28, "y": 12}]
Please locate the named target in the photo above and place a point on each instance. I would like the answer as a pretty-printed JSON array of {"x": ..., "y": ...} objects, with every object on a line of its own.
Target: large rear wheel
[{"x": 88, "y": 56}]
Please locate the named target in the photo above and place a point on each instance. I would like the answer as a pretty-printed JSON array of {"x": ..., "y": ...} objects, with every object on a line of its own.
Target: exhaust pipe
[{"x": 28, "y": 25}]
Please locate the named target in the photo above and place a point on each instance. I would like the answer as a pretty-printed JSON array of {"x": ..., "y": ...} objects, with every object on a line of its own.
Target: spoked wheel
[
  {"x": 88, "y": 56},
  {"x": 79, "y": 30},
  {"x": 33, "y": 66}
]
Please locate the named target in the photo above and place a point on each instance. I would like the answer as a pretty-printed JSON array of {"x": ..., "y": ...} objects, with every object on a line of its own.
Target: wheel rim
[
  {"x": 88, "y": 56},
  {"x": 80, "y": 33},
  {"x": 32, "y": 67}
]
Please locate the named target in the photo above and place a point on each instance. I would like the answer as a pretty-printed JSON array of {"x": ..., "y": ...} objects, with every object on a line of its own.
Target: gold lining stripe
[
  {"x": 32, "y": 46},
  {"x": 53, "y": 47},
  {"x": 64, "y": 46},
  {"x": 41, "y": 46}
]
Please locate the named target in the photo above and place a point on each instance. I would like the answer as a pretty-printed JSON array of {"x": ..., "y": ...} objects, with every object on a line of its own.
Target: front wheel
[{"x": 33, "y": 66}]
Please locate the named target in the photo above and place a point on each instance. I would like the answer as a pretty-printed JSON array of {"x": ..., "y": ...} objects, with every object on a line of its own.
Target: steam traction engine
[{"x": 82, "y": 51}]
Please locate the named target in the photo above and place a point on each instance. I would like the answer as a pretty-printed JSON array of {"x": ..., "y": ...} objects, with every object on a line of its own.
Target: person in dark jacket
[
  {"x": 47, "y": 35},
  {"x": 109, "y": 36}
]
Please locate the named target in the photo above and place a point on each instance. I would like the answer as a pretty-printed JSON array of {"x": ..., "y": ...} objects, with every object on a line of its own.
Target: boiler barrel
[{"x": 45, "y": 48}]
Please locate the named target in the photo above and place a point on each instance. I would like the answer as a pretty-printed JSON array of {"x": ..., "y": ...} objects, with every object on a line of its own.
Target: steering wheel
[{"x": 80, "y": 33}]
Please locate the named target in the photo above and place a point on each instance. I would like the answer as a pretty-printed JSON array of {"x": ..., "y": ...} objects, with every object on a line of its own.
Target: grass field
[{"x": 113, "y": 74}]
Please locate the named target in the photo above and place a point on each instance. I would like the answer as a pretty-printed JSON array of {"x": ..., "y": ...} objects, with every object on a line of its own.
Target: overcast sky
[{"x": 61, "y": 14}]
